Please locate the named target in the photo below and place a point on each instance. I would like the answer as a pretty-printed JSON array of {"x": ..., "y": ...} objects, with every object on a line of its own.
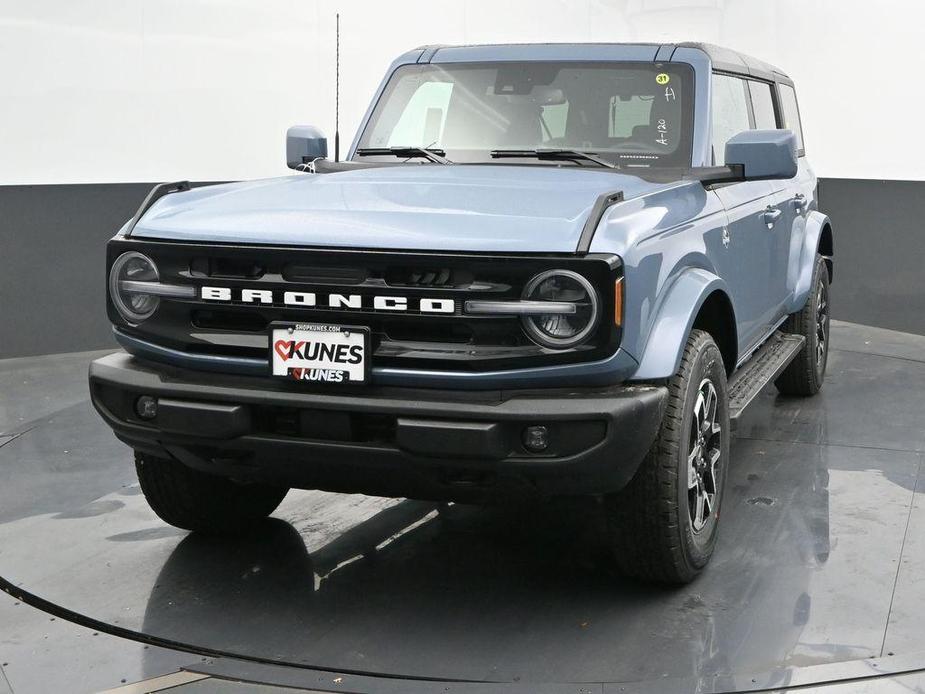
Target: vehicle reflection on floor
[
  {"x": 456, "y": 591},
  {"x": 810, "y": 567}
]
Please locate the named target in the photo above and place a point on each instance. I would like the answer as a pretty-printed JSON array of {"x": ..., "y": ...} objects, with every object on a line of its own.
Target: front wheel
[
  {"x": 194, "y": 500},
  {"x": 662, "y": 526}
]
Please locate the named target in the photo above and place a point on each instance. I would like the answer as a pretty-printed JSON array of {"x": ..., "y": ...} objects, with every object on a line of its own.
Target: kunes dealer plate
[{"x": 320, "y": 352}]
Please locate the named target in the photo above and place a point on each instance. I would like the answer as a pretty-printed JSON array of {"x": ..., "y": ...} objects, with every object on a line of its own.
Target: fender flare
[
  {"x": 815, "y": 222},
  {"x": 674, "y": 322}
]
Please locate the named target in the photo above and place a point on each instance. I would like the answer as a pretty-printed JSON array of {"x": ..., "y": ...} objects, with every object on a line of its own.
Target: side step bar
[{"x": 764, "y": 366}]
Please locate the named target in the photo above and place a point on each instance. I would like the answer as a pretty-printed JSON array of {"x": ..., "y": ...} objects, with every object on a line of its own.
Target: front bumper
[{"x": 419, "y": 443}]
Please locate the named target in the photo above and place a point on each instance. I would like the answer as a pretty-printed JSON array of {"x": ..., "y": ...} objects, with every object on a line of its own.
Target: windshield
[{"x": 633, "y": 114}]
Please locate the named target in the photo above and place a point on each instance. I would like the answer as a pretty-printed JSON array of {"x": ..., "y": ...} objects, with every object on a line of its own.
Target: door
[
  {"x": 745, "y": 261},
  {"x": 796, "y": 198},
  {"x": 790, "y": 198}
]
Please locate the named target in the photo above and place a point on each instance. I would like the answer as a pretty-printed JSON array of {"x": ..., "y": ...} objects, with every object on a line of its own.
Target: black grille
[
  {"x": 226, "y": 268},
  {"x": 457, "y": 278},
  {"x": 411, "y": 339},
  {"x": 228, "y": 320},
  {"x": 325, "y": 275}
]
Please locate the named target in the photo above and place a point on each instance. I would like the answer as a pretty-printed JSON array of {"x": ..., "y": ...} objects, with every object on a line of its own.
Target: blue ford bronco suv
[{"x": 540, "y": 270}]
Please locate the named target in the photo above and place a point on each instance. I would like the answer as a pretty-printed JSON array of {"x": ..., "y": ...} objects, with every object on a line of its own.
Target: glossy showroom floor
[{"x": 818, "y": 574}]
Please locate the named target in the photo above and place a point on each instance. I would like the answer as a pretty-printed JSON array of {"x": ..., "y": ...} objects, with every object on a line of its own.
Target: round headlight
[
  {"x": 132, "y": 267},
  {"x": 561, "y": 330}
]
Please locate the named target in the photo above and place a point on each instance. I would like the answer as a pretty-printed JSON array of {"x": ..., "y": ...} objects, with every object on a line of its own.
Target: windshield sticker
[
  {"x": 662, "y": 78},
  {"x": 662, "y": 129}
]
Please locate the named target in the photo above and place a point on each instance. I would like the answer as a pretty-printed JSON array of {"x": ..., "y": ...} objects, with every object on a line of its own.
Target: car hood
[{"x": 491, "y": 208}]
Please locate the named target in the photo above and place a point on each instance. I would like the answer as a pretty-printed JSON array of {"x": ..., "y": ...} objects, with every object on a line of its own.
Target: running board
[{"x": 764, "y": 366}]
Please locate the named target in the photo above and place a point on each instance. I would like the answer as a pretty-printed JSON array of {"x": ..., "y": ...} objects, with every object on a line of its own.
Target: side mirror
[
  {"x": 763, "y": 154},
  {"x": 303, "y": 144}
]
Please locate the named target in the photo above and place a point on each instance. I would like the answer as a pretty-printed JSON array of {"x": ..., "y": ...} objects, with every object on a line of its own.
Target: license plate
[{"x": 320, "y": 353}]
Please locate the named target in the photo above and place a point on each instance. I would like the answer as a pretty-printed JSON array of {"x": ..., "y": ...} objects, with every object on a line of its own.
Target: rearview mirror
[
  {"x": 763, "y": 154},
  {"x": 304, "y": 143}
]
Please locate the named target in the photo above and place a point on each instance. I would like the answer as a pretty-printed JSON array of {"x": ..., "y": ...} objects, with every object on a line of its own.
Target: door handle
[
  {"x": 799, "y": 202},
  {"x": 770, "y": 216}
]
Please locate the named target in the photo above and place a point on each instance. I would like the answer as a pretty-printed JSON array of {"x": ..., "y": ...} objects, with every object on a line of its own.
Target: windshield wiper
[
  {"x": 437, "y": 156},
  {"x": 553, "y": 155}
]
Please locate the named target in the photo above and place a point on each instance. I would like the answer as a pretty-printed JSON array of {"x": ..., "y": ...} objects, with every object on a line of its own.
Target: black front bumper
[{"x": 419, "y": 443}]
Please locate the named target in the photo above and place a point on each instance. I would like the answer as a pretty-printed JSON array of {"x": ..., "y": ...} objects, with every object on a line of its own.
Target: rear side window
[
  {"x": 730, "y": 112},
  {"x": 791, "y": 113},
  {"x": 762, "y": 105}
]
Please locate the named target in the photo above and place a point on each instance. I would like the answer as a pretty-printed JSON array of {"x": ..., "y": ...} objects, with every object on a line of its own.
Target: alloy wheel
[
  {"x": 703, "y": 460},
  {"x": 822, "y": 325}
]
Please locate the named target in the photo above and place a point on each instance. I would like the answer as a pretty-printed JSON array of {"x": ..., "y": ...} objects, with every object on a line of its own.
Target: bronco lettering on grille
[{"x": 328, "y": 301}]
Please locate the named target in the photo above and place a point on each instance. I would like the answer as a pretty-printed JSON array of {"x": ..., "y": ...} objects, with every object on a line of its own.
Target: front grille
[
  {"x": 412, "y": 338},
  {"x": 226, "y": 320},
  {"x": 313, "y": 274},
  {"x": 458, "y": 278},
  {"x": 226, "y": 268}
]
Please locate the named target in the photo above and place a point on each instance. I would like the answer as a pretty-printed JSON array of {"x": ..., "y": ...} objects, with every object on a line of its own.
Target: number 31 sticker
[{"x": 662, "y": 78}]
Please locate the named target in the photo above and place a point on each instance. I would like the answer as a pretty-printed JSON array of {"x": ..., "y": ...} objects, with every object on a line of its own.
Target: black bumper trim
[{"x": 387, "y": 442}]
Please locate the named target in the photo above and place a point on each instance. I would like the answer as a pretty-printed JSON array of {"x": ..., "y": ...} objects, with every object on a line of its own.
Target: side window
[
  {"x": 762, "y": 105},
  {"x": 421, "y": 123},
  {"x": 730, "y": 112},
  {"x": 791, "y": 113}
]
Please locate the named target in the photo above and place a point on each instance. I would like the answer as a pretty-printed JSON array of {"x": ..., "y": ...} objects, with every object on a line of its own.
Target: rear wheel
[
  {"x": 663, "y": 525},
  {"x": 804, "y": 375},
  {"x": 193, "y": 500}
]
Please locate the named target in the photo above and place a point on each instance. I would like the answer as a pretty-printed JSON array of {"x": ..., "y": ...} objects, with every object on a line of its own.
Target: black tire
[
  {"x": 193, "y": 500},
  {"x": 652, "y": 533},
  {"x": 805, "y": 374}
]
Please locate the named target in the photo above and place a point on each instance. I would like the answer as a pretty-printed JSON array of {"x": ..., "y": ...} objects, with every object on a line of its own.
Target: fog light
[
  {"x": 146, "y": 407},
  {"x": 536, "y": 438}
]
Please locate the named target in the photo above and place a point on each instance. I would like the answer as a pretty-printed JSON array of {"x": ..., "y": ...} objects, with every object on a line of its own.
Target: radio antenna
[{"x": 337, "y": 89}]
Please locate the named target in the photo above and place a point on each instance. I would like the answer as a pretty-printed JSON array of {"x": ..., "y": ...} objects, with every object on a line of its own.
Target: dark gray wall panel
[
  {"x": 52, "y": 264},
  {"x": 879, "y": 251},
  {"x": 52, "y": 274}
]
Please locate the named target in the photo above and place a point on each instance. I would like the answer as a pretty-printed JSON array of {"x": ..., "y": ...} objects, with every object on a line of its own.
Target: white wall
[{"x": 146, "y": 90}]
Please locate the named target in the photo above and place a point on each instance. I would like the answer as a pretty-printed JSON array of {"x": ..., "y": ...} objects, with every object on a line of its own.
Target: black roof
[
  {"x": 728, "y": 60},
  {"x": 723, "y": 59}
]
